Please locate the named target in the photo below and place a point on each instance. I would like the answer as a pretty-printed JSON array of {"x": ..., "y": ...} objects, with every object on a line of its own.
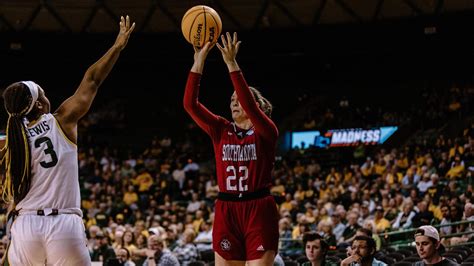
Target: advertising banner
[{"x": 341, "y": 137}]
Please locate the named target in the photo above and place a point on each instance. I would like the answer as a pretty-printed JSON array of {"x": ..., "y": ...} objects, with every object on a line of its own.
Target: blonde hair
[{"x": 265, "y": 104}]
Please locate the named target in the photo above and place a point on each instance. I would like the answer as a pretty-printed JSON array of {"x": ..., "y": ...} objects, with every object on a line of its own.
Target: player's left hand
[
  {"x": 229, "y": 47},
  {"x": 125, "y": 30}
]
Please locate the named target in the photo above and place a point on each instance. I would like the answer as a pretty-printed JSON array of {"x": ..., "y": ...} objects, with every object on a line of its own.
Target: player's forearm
[
  {"x": 203, "y": 117},
  {"x": 191, "y": 92},
  {"x": 260, "y": 120},
  {"x": 101, "y": 69},
  {"x": 197, "y": 67},
  {"x": 233, "y": 66}
]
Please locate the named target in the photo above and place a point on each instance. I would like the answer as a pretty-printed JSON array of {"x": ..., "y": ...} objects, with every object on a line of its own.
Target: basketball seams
[
  {"x": 188, "y": 13},
  {"x": 205, "y": 27},
  {"x": 217, "y": 27},
  {"x": 191, "y": 28},
  {"x": 193, "y": 17}
]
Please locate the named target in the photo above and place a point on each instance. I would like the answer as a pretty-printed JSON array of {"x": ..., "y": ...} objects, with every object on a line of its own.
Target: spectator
[
  {"x": 381, "y": 224},
  {"x": 278, "y": 261},
  {"x": 466, "y": 228},
  {"x": 326, "y": 232},
  {"x": 405, "y": 217},
  {"x": 428, "y": 247},
  {"x": 123, "y": 257},
  {"x": 339, "y": 227},
  {"x": 457, "y": 168},
  {"x": 445, "y": 230},
  {"x": 144, "y": 180},
  {"x": 179, "y": 175},
  {"x": 425, "y": 183},
  {"x": 102, "y": 250},
  {"x": 351, "y": 227},
  {"x": 315, "y": 249},
  {"x": 362, "y": 252},
  {"x": 130, "y": 197},
  {"x": 101, "y": 217},
  {"x": 117, "y": 240},
  {"x": 186, "y": 251},
  {"x": 203, "y": 240},
  {"x": 423, "y": 216},
  {"x": 128, "y": 241},
  {"x": 287, "y": 205},
  {"x": 194, "y": 204},
  {"x": 157, "y": 255}
]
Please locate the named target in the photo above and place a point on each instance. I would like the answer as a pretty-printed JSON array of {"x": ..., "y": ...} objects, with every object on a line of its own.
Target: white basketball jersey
[{"x": 54, "y": 168}]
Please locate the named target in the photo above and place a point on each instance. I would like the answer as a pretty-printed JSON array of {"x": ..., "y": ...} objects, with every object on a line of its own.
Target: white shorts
[{"x": 48, "y": 240}]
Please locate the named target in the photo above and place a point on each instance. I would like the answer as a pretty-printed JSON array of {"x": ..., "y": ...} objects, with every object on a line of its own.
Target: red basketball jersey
[{"x": 244, "y": 158}]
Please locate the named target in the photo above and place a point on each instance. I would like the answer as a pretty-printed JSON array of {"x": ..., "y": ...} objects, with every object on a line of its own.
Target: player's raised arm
[
  {"x": 252, "y": 106},
  {"x": 78, "y": 104},
  {"x": 198, "y": 112}
]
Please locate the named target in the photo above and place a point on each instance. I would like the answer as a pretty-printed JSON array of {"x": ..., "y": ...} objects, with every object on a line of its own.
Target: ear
[{"x": 39, "y": 105}]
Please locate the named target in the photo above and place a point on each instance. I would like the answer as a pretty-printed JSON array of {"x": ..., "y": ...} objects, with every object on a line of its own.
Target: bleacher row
[{"x": 405, "y": 256}]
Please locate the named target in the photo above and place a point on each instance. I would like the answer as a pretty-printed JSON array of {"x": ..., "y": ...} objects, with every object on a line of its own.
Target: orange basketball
[{"x": 201, "y": 24}]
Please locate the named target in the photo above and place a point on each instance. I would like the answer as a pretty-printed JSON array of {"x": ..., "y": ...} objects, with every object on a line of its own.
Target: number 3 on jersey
[
  {"x": 48, "y": 151},
  {"x": 243, "y": 176}
]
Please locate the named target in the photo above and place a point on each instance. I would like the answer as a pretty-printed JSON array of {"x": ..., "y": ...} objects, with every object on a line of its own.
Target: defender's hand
[{"x": 125, "y": 30}]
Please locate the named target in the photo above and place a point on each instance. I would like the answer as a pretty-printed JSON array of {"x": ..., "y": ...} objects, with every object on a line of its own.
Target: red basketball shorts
[{"x": 244, "y": 230}]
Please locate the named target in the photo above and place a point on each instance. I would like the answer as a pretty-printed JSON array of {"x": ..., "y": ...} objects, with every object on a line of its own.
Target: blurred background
[{"x": 326, "y": 65}]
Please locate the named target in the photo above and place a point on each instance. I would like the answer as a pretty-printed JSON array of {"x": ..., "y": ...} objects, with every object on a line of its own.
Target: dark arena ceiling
[{"x": 158, "y": 16}]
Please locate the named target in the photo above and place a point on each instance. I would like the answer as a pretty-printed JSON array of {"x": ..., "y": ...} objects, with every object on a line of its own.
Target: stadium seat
[
  {"x": 207, "y": 255},
  {"x": 197, "y": 263},
  {"x": 464, "y": 254},
  {"x": 301, "y": 259},
  {"x": 295, "y": 256},
  {"x": 334, "y": 259},
  {"x": 412, "y": 259},
  {"x": 380, "y": 254},
  {"x": 341, "y": 255},
  {"x": 467, "y": 249},
  {"x": 403, "y": 263},
  {"x": 405, "y": 252},
  {"x": 388, "y": 260},
  {"x": 455, "y": 256},
  {"x": 409, "y": 248},
  {"x": 397, "y": 256},
  {"x": 291, "y": 263}
]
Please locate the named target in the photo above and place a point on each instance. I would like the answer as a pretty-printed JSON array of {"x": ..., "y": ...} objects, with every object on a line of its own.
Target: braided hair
[{"x": 17, "y": 179}]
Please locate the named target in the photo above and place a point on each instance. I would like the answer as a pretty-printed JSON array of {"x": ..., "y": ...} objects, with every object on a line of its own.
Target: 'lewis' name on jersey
[{"x": 38, "y": 129}]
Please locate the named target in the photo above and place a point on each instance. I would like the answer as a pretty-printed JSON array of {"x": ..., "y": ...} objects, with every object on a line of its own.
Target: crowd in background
[{"x": 159, "y": 201}]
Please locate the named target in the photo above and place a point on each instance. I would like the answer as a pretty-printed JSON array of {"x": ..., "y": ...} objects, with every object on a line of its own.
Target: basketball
[{"x": 201, "y": 24}]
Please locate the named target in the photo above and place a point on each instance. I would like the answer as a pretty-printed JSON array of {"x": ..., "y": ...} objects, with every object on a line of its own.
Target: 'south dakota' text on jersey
[{"x": 239, "y": 153}]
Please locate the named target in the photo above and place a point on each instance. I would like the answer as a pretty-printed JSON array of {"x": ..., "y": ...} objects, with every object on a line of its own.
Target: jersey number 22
[{"x": 243, "y": 176}]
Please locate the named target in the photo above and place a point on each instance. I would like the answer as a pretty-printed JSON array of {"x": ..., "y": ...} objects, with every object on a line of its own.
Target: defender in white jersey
[{"x": 39, "y": 156}]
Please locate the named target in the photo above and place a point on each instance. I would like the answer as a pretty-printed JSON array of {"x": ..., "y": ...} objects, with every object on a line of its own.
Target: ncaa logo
[{"x": 225, "y": 244}]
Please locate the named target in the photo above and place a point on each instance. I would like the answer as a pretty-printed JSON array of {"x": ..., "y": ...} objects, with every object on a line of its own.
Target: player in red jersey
[{"x": 246, "y": 218}]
